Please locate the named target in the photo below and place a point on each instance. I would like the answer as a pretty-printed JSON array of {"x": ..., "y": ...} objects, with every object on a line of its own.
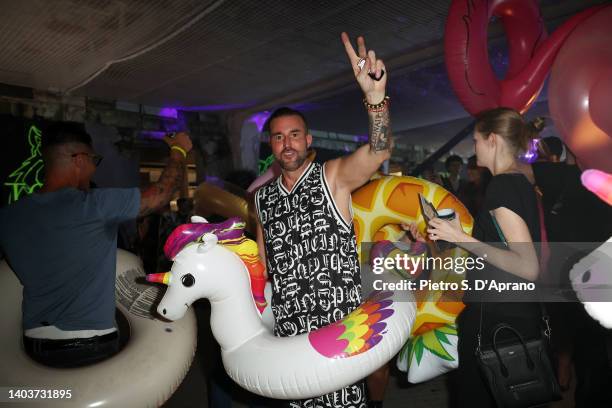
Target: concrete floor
[{"x": 193, "y": 391}]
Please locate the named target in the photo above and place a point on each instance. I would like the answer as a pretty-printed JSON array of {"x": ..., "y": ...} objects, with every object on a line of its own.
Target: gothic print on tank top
[
  {"x": 311, "y": 254},
  {"x": 312, "y": 262}
]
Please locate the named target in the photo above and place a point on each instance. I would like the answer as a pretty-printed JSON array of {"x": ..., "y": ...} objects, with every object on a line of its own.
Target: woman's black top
[{"x": 514, "y": 192}]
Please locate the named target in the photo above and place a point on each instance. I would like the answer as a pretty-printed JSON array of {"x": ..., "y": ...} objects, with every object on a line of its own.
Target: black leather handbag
[{"x": 518, "y": 372}]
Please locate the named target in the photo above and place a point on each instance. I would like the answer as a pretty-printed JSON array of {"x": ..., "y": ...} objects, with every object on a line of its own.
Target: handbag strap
[{"x": 500, "y": 233}]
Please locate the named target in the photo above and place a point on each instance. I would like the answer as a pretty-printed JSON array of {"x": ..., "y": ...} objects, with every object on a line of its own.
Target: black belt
[{"x": 62, "y": 344}]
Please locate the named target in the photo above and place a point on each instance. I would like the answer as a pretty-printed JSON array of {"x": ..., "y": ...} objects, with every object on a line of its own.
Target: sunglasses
[{"x": 95, "y": 158}]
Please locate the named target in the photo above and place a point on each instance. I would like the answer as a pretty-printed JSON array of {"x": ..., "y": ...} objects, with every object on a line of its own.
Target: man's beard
[{"x": 293, "y": 165}]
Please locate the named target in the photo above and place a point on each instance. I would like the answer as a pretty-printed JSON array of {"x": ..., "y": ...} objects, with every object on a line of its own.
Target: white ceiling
[{"x": 211, "y": 55}]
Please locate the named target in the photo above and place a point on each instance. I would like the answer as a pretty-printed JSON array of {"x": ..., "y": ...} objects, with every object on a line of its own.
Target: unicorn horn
[{"x": 164, "y": 277}]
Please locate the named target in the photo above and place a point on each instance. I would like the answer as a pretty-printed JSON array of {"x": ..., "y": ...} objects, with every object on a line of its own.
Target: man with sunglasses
[{"x": 62, "y": 244}]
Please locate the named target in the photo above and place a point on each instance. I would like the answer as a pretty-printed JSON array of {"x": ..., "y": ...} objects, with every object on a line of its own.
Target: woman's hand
[
  {"x": 413, "y": 233},
  {"x": 450, "y": 231}
]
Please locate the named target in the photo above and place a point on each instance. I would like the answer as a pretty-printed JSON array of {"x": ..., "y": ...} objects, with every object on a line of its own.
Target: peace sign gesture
[{"x": 370, "y": 72}]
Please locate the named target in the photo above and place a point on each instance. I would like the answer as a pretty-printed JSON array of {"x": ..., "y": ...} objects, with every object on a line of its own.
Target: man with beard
[{"x": 306, "y": 219}]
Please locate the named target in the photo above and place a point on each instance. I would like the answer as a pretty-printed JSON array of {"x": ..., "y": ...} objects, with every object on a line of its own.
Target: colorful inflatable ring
[
  {"x": 215, "y": 266},
  {"x": 125, "y": 380},
  {"x": 394, "y": 200}
]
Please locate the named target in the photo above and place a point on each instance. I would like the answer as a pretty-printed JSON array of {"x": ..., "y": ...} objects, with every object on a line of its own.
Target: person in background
[
  {"x": 552, "y": 150},
  {"x": 62, "y": 244},
  {"x": 572, "y": 214},
  {"x": 452, "y": 180},
  {"x": 429, "y": 174}
]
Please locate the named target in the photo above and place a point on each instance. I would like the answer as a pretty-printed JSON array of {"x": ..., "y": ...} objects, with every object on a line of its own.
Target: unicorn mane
[
  {"x": 183, "y": 235},
  {"x": 230, "y": 234}
]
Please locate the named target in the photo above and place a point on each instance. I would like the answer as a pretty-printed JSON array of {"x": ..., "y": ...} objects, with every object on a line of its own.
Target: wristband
[{"x": 180, "y": 149}]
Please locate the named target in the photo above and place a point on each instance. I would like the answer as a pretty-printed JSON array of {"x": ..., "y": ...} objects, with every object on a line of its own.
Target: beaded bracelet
[
  {"x": 379, "y": 107},
  {"x": 179, "y": 149}
]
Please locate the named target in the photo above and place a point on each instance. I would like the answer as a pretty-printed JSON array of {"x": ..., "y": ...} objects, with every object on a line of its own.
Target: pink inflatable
[
  {"x": 580, "y": 91},
  {"x": 579, "y": 51},
  {"x": 531, "y": 54}
]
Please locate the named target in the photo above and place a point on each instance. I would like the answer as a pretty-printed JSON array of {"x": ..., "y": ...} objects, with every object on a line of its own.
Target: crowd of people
[{"x": 68, "y": 306}]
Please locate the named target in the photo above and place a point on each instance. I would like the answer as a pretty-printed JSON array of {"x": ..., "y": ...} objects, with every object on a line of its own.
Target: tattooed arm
[
  {"x": 159, "y": 194},
  {"x": 381, "y": 141},
  {"x": 350, "y": 172}
]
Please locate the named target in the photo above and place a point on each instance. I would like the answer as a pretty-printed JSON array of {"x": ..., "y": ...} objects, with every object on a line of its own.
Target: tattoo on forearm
[
  {"x": 160, "y": 193},
  {"x": 380, "y": 131}
]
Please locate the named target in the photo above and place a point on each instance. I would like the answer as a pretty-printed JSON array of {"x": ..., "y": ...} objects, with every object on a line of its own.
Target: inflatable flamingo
[
  {"x": 530, "y": 53},
  {"x": 580, "y": 94},
  {"x": 214, "y": 266}
]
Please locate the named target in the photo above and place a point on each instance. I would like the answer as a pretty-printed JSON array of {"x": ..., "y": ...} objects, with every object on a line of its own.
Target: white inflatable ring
[{"x": 133, "y": 377}]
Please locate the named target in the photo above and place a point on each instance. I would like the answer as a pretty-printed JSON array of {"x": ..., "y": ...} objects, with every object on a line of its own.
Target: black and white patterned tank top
[{"x": 311, "y": 254}]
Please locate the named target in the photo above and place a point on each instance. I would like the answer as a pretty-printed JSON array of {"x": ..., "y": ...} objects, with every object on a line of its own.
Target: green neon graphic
[
  {"x": 265, "y": 163},
  {"x": 28, "y": 177}
]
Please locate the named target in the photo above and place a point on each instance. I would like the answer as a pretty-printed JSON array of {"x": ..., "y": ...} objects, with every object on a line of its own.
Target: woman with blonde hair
[{"x": 505, "y": 229}]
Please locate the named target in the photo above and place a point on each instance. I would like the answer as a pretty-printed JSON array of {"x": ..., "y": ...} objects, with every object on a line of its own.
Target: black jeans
[{"x": 68, "y": 353}]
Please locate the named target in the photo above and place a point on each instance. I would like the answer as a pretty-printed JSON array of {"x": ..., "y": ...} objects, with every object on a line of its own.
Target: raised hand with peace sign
[{"x": 369, "y": 71}]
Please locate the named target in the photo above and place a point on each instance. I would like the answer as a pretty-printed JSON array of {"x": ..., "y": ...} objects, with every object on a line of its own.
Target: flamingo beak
[{"x": 164, "y": 277}]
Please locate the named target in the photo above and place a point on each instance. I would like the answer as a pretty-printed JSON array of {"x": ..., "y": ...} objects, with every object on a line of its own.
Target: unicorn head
[
  {"x": 212, "y": 261},
  {"x": 204, "y": 269}
]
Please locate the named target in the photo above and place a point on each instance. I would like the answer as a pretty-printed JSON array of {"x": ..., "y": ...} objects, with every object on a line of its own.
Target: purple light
[
  {"x": 531, "y": 154},
  {"x": 259, "y": 119},
  {"x": 152, "y": 134},
  {"x": 168, "y": 113}
]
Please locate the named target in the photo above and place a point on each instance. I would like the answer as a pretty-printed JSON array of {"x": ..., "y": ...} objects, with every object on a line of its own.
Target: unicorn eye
[{"x": 188, "y": 280}]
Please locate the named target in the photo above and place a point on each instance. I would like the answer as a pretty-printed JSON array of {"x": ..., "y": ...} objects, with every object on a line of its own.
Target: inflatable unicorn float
[{"x": 217, "y": 262}]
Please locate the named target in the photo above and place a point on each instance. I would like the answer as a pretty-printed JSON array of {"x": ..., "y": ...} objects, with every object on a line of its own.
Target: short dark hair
[
  {"x": 284, "y": 111},
  {"x": 453, "y": 158},
  {"x": 553, "y": 145},
  {"x": 60, "y": 133}
]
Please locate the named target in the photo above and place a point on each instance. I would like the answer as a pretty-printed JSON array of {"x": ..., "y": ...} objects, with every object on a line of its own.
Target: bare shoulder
[{"x": 331, "y": 169}]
